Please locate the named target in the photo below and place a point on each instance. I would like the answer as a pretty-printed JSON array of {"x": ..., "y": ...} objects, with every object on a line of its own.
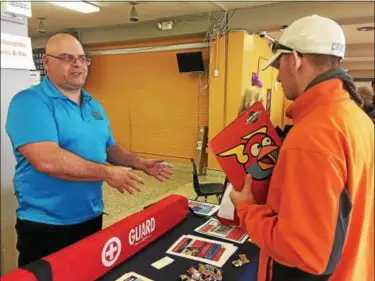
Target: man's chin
[
  {"x": 76, "y": 85},
  {"x": 289, "y": 96}
]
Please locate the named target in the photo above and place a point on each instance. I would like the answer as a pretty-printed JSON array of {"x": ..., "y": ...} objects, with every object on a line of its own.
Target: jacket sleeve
[{"x": 309, "y": 230}]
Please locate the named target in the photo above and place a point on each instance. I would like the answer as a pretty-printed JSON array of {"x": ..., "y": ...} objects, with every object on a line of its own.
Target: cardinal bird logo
[{"x": 258, "y": 155}]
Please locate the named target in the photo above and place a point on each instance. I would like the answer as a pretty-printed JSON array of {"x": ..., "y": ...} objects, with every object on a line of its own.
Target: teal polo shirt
[{"x": 42, "y": 113}]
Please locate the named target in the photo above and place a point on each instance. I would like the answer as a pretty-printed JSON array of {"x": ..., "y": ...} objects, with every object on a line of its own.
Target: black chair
[{"x": 205, "y": 189}]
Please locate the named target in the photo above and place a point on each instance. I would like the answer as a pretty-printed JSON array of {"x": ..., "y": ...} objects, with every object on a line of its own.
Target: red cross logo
[{"x": 111, "y": 251}]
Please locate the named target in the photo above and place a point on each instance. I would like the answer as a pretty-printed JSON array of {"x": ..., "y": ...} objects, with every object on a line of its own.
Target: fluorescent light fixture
[{"x": 79, "y": 6}]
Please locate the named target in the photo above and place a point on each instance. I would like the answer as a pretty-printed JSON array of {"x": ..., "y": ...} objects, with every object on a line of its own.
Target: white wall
[{"x": 12, "y": 81}]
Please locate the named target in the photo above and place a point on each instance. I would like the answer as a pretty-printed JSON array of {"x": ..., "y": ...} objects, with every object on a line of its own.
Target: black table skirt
[{"x": 141, "y": 262}]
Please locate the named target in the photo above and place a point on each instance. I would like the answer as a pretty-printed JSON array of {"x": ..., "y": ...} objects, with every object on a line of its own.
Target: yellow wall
[
  {"x": 245, "y": 54},
  {"x": 217, "y": 93}
]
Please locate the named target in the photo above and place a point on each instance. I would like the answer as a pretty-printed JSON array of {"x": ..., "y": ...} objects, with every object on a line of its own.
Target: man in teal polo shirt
[{"x": 63, "y": 143}]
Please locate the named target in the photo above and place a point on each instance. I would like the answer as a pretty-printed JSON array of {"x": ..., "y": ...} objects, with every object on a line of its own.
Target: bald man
[{"x": 65, "y": 149}]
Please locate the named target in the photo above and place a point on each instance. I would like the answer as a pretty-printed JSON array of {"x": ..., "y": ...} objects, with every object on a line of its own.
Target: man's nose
[
  {"x": 77, "y": 62},
  {"x": 278, "y": 77}
]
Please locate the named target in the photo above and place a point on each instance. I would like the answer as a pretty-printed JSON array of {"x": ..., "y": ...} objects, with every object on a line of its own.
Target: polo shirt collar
[{"x": 53, "y": 92}]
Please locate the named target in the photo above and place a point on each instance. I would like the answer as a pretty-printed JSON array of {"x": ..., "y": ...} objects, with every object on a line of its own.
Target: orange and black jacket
[{"x": 317, "y": 223}]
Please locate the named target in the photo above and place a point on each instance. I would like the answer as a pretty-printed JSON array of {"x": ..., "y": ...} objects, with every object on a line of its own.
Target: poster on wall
[
  {"x": 16, "y": 52},
  {"x": 269, "y": 99}
]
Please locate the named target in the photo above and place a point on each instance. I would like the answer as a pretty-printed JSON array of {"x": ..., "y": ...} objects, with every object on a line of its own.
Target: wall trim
[
  {"x": 148, "y": 49},
  {"x": 368, "y": 79}
]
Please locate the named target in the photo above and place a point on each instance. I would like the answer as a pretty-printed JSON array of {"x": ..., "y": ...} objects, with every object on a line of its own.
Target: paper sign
[
  {"x": 34, "y": 77},
  {"x": 21, "y": 8},
  {"x": 16, "y": 52}
]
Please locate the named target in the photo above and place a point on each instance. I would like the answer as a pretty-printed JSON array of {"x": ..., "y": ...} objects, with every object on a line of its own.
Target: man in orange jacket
[{"x": 317, "y": 223}]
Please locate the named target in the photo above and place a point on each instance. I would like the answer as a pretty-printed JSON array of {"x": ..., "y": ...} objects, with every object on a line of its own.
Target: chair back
[{"x": 195, "y": 177}]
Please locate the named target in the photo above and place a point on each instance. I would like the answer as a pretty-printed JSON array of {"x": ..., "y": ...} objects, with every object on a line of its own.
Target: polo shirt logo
[{"x": 97, "y": 115}]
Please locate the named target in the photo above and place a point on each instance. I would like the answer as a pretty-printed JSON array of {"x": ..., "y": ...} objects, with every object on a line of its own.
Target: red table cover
[{"x": 97, "y": 254}]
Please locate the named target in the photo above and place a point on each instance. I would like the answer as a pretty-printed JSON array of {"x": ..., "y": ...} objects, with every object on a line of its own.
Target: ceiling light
[
  {"x": 41, "y": 27},
  {"x": 133, "y": 13},
  {"x": 80, "y": 6},
  {"x": 365, "y": 28},
  {"x": 165, "y": 25}
]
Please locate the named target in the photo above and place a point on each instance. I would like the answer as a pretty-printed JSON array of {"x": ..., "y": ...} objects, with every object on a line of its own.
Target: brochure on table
[
  {"x": 201, "y": 249},
  {"x": 213, "y": 227},
  {"x": 203, "y": 208},
  {"x": 132, "y": 276}
]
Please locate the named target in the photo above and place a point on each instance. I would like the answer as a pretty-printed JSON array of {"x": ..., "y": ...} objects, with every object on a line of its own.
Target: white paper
[
  {"x": 132, "y": 276},
  {"x": 203, "y": 208},
  {"x": 188, "y": 251},
  {"x": 16, "y": 52},
  {"x": 22, "y": 8},
  {"x": 231, "y": 233},
  {"x": 34, "y": 77},
  {"x": 162, "y": 262},
  {"x": 226, "y": 210}
]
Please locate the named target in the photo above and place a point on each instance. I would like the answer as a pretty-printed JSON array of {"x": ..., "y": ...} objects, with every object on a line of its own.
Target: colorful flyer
[
  {"x": 203, "y": 208},
  {"x": 248, "y": 145},
  {"x": 204, "y": 250},
  {"x": 213, "y": 227}
]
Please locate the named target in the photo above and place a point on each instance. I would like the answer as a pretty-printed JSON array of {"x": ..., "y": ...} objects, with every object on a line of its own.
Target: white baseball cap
[{"x": 309, "y": 35}]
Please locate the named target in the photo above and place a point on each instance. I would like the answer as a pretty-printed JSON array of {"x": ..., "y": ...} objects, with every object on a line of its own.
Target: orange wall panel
[{"x": 153, "y": 109}]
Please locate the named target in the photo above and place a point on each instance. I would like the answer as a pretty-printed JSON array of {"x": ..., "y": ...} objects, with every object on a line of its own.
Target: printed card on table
[
  {"x": 204, "y": 250},
  {"x": 132, "y": 276},
  {"x": 203, "y": 208},
  {"x": 213, "y": 227},
  {"x": 250, "y": 144}
]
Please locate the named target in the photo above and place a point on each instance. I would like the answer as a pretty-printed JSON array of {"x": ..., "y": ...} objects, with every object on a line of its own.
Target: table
[{"x": 141, "y": 262}]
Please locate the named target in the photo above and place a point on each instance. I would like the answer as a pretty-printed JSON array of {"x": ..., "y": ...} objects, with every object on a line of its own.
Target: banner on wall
[{"x": 16, "y": 52}]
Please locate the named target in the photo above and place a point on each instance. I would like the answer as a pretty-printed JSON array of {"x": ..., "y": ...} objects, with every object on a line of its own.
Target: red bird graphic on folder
[{"x": 250, "y": 144}]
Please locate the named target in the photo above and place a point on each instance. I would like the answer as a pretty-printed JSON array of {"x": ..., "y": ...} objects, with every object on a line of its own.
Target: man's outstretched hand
[{"x": 158, "y": 169}]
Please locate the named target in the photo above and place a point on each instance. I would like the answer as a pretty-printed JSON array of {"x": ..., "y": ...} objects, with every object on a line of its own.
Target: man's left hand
[
  {"x": 156, "y": 168},
  {"x": 245, "y": 195}
]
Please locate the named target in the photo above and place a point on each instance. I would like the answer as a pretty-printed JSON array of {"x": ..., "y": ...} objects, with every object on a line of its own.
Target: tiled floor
[{"x": 119, "y": 206}]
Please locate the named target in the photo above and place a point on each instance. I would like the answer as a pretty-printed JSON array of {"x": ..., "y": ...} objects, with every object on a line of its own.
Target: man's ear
[
  {"x": 45, "y": 61},
  {"x": 296, "y": 61}
]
